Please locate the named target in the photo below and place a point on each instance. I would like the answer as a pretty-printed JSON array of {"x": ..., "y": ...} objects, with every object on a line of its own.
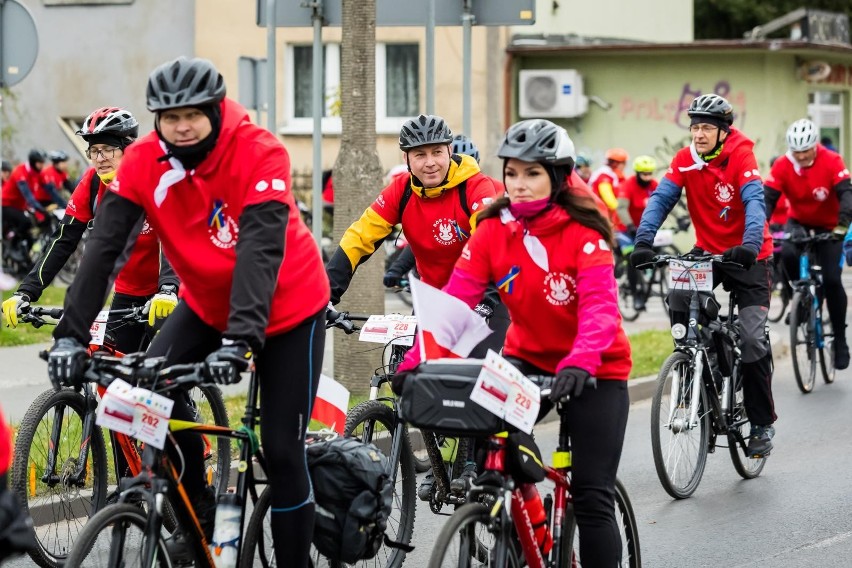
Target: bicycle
[
  {"x": 699, "y": 388},
  {"x": 60, "y": 471},
  {"x": 810, "y": 332},
  {"x": 494, "y": 527}
]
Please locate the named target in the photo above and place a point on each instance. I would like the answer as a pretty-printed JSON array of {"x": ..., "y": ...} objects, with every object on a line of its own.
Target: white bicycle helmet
[{"x": 802, "y": 135}]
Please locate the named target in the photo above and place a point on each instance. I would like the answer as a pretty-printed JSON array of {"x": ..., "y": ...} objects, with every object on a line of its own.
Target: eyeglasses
[
  {"x": 706, "y": 128},
  {"x": 107, "y": 153}
]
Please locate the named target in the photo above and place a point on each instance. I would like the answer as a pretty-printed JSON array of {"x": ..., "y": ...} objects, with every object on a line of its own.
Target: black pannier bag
[
  {"x": 437, "y": 398},
  {"x": 353, "y": 494}
]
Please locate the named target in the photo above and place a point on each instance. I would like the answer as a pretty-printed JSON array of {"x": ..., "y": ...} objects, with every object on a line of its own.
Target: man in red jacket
[
  {"x": 725, "y": 200},
  {"x": 817, "y": 185},
  {"x": 216, "y": 189}
]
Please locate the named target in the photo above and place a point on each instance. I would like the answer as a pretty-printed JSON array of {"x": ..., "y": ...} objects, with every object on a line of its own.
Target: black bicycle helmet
[
  {"x": 58, "y": 156},
  {"x": 464, "y": 145},
  {"x": 712, "y": 106},
  {"x": 538, "y": 140},
  {"x": 423, "y": 130},
  {"x": 36, "y": 156},
  {"x": 184, "y": 82}
]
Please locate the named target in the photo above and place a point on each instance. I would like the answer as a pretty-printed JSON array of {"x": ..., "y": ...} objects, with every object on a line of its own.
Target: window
[
  {"x": 397, "y": 87},
  {"x": 825, "y": 108}
]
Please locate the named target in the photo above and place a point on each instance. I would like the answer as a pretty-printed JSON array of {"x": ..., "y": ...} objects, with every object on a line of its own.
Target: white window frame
[
  {"x": 818, "y": 110},
  {"x": 332, "y": 124}
]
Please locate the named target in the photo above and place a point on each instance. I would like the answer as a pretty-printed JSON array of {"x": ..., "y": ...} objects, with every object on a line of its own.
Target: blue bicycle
[{"x": 810, "y": 332}]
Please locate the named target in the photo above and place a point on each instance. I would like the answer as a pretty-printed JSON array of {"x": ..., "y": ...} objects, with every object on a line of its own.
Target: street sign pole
[
  {"x": 430, "y": 57},
  {"x": 271, "y": 67},
  {"x": 467, "y": 40},
  {"x": 319, "y": 111}
]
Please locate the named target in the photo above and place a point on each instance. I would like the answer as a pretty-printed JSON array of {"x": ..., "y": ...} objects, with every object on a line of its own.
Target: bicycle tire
[
  {"x": 68, "y": 271},
  {"x": 106, "y": 519},
  {"x": 463, "y": 523},
  {"x": 26, "y": 478},
  {"x": 747, "y": 468},
  {"x": 779, "y": 293},
  {"x": 679, "y": 477},
  {"x": 377, "y": 413},
  {"x": 826, "y": 352},
  {"x": 663, "y": 273},
  {"x": 625, "y": 297},
  {"x": 802, "y": 341},
  {"x": 222, "y": 458},
  {"x": 628, "y": 530}
]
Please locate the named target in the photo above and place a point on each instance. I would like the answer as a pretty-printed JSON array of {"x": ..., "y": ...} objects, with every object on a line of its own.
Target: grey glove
[{"x": 224, "y": 365}]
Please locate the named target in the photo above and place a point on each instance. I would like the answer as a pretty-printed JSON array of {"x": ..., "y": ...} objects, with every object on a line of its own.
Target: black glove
[
  {"x": 643, "y": 253},
  {"x": 630, "y": 230},
  {"x": 224, "y": 365},
  {"x": 66, "y": 363},
  {"x": 696, "y": 251},
  {"x": 392, "y": 279},
  {"x": 570, "y": 382},
  {"x": 740, "y": 255}
]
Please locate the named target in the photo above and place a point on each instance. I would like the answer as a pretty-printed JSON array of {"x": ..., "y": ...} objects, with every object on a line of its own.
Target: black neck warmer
[{"x": 191, "y": 156}]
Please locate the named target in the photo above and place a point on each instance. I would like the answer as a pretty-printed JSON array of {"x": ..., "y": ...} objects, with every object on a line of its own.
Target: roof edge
[{"x": 559, "y": 44}]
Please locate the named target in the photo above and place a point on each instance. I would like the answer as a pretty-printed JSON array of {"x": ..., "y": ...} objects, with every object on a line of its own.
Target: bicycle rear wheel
[
  {"x": 374, "y": 422},
  {"x": 59, "y": 505},
  {"x": 115, "y": 536},
  {"x": 471, "y": 538},
  {"x": 679, "y": 447},
  {"x": 747, "y": 467},
  {"x": 803, "y": 340},
  {"x": 625, "y": 295},
  {"x": 826, "y": 352}
]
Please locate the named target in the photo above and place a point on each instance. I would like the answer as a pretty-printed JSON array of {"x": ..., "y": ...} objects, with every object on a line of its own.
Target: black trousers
[
  {"x": 828, "y": 254},
  {"x": 596, "y": 422},
  {"x": 288, "y": 368}
]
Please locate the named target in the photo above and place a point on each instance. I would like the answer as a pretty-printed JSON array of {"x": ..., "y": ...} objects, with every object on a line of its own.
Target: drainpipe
[{"x": 508, "y": 92}]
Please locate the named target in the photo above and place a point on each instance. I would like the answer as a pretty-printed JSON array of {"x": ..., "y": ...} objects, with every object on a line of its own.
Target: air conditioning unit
[{"x": 549, "y": 93}]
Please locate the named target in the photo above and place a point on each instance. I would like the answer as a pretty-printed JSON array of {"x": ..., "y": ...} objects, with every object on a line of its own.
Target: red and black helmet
[{"x": 112, "y": 121}]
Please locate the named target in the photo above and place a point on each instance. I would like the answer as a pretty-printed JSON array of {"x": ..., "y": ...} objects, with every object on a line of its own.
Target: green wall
[{"x": 650, "y": 91}]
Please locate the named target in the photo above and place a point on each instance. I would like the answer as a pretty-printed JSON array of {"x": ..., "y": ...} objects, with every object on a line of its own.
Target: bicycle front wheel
[
  {"x": 679, "y": 443},
  {"x": 373, "y": 421},
  {"x": 826, "y": 352},
  {"x": 115, "y": 536},
  {"x": 61, "y": 499},
  {"x": 628, "y": 530},
  {"x": 803, "y": 340},
  {"x": 210, "y": 408},
  {"x": 471, "y": 538}
]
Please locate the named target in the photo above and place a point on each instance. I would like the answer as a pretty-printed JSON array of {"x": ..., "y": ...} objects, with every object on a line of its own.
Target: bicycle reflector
[{"x": 678, "y": 331}]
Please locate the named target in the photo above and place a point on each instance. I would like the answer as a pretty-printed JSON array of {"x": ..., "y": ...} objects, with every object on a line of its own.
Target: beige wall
[
  {"x": 226, "y": 30},
  {"x": 646, "y": 20}
]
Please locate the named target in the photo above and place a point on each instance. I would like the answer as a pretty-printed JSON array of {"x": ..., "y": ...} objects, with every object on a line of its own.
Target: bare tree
[{"x": 357, "y": 180}]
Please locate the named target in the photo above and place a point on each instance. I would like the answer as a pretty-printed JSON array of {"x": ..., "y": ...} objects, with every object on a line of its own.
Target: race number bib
[
  {"x": 136, "y": 412},
  {"x": 386, "y": 328},
  {"x": 503, "y": 390},
  {"x": 685, "y": 275},
  {"x": 98, "y": 329}
]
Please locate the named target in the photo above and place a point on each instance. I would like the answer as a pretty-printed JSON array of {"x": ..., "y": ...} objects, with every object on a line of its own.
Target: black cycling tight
[{"x": 288, "y": 369}]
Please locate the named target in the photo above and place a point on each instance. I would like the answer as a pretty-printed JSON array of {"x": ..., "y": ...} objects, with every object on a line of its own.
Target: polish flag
[
  {"x": 331, "y": 404},
  {"x": 446, "y": 326}
]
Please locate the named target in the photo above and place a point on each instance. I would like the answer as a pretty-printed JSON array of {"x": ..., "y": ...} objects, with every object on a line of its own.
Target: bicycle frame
[{"x": 810, "y": 279}]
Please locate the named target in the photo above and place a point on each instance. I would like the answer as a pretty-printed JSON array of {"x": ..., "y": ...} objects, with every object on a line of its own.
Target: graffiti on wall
[{"x": 674, "y": 110}]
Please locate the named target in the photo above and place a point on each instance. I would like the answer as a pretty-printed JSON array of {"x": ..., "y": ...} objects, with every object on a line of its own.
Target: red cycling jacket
[
  {"x": 713, "y": 193},
  {"x": 12, "y": 197},
  {"x": 50, "y": 175},
  {"x": 637, "y": 194},
  {"x": 545, "y": 304},
  {"x": 810, "y": 191},
  {"x": 196, "y": 215},
  {"x": 139, "y": 276},
  {"x": 5, "y": 444}
]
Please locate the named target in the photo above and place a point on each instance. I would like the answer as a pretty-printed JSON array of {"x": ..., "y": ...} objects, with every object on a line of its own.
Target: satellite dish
[{"x": 815, "y": 71}]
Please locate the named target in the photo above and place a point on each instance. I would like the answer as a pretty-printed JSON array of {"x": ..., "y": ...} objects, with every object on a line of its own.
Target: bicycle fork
[{"x": 681, "y": 424}]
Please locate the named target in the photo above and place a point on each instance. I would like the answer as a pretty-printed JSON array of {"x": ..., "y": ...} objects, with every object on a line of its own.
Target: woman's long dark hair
[{"x": 579, "y": 205}]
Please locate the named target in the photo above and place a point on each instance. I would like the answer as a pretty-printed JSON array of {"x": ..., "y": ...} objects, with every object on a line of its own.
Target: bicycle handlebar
[
  {"x": 545, "y": 384},
  {"x": 35, "y": 314},
  {"x": 661, "y": 259},
  {"x": 799, "y": 239},
  {"x": 343, "y": 320}
]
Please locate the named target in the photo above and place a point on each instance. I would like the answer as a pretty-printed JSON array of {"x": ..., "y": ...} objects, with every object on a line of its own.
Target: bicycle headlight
[{"x": 678, "y": 331}]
